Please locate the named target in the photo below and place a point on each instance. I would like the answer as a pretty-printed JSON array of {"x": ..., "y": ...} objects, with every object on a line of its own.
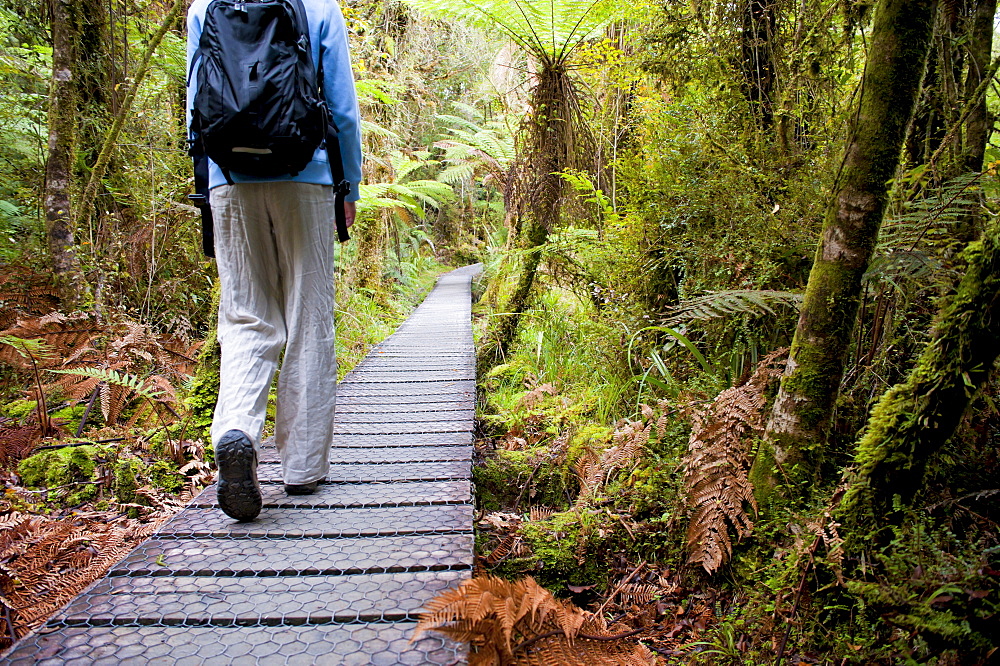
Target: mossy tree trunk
[
  {"x": 62, "y": 121},
  {"x": 372, "y": 237},
  {"x": 204, "y": 391},
  {"x": 913, "y": 420},
  {"x": 980, "y": 46},
  {"x": 798, "y": 427}
]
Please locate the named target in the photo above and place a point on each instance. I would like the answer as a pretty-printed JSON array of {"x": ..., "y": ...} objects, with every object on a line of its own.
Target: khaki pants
[{"x": 274, "y": 249}]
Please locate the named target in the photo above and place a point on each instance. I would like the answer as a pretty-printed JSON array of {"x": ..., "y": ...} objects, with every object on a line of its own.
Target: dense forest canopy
[{"x": 735, "y": 333}]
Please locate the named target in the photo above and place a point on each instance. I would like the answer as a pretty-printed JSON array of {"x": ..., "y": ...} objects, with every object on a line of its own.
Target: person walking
[{"x": 273, "y": 240}]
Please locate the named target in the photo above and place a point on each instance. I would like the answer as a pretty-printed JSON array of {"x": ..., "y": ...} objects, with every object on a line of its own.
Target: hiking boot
[
  {"x": 238, "y": 490},
  {"x": 301, "y": 488}
]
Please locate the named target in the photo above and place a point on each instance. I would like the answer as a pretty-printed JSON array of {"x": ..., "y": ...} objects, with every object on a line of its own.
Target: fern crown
[{"x": 550, "y": 30}]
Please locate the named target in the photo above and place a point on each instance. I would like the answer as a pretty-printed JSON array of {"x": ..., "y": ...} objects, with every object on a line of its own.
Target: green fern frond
[
  {"x": 369, "y": 204},
  {"x": 458, "y": 122},
  {"x": 716, "y": 304},
  {"x": 368, "y": 127},
  {"x": 375, "y": 90},
  {"x": 430, "y": 192},
  {"x": 457, "y": 173},
  {"x": 468, "y": 110},
  {"x": 38, "y": 348},
  {"x": 115, "y": 378},
  {"x": 549, "y": 29}
]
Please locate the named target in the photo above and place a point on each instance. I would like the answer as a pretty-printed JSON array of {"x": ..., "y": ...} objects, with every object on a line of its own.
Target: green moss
[
  {"x": 18, "y": 409},
  {"x": 565, "y": 551},
  {"x": 127, "y": 472},
  {"x": 204, "y": 391},
  {"x": 72, "y": 415},
  {"x": 164, "y": 475},
  {"x": 59, "y": 467},
  {"x": 507, "y": 475},
  {"x": 63, "y": 467}
]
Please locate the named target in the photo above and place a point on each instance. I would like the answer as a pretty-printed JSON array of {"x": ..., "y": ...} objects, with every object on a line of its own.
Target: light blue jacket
[{"x": 328, "y": 38}]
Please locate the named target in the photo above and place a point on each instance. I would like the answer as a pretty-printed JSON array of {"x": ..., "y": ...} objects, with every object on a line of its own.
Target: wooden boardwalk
[{"x": 331, "y": 578}]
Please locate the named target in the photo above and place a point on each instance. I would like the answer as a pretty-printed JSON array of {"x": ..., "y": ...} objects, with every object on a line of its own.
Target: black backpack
[{"x": 258, "y": 110}]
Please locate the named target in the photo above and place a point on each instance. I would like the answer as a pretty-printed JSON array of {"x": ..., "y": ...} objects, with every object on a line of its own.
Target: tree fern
[{"x": 548, "y": 29}]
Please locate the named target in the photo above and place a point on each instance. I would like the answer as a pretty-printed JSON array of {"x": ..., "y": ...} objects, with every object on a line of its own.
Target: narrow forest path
[{"x": 332, "y": 578}]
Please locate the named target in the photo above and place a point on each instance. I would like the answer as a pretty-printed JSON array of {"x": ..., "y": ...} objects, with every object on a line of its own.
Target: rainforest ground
[{"x": 736, "y": 331}]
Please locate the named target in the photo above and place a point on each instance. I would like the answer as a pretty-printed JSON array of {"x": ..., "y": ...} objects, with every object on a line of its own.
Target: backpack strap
[
  {"x": 200, "y": 198},
  {"x": 341, "y": 187}
]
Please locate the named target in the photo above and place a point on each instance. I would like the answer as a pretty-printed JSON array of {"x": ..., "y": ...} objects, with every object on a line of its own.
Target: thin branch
[{"x": 104, "y": 157}]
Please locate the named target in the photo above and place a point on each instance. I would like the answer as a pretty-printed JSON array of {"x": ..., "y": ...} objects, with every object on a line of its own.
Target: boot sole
[{"x": 238, "y": 489}]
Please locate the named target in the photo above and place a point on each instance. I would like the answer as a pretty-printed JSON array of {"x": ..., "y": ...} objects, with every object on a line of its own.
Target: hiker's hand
[{"x": 350, "y": 210}]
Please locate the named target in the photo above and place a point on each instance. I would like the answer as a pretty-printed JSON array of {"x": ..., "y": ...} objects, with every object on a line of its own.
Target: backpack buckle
[{"x": 343, "y": 187}]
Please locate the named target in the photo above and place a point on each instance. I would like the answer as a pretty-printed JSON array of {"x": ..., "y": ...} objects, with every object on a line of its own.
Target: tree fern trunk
[
  {"x": 549, "y": 144},
  {"x": 913, "y": 420},
  {"x": 797, "y": 430},
  {"x": 535, "y": 238}
]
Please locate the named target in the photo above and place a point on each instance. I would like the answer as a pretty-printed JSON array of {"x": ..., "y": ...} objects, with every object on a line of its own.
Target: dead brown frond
[
  {"x": 521, "y": 623},
  {"x": 539, "y": 513},
  {"x": 595, "y": 468},
  {"x": 505, "y": 549},
  {"x": 717, "y": 463},
  {"x": 17, "y": 442},
  {"x": 65, "y": 335},
  {"x": 45, "y": 562},
  {"x": 27, "y": 291},
  {"x": 536, "y": 395}
]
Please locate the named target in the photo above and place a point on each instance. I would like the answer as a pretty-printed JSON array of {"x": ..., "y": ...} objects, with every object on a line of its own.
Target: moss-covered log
[
  {"x": 800, "y": 420},
  {"x": 913, "y": 420}
]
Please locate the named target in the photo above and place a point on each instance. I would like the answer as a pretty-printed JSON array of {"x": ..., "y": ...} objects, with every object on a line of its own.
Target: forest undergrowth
[
  {"x": 104, "y": 434},
  {"x": 736, "y": 336}
]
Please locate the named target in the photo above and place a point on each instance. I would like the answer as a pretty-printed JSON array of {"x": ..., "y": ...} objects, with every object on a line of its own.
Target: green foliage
[
  {"x": 71, "y": 469},
  {"x": 566, "y": 550},
  {"x": 549, "y": 29},
  {"x": 79, "y": 473}
]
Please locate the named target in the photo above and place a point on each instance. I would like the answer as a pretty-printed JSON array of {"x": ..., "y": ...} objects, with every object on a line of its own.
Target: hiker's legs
[
  {"x": 251, "y": 325},
  {"x": 302, "y": 215}
]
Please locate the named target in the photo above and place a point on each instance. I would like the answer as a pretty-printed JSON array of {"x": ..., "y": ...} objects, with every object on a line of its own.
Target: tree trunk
[
  {"x": 913, "y": 420},
  {"x": 372, "y": 240},
  {"x": 977, "y": 122},
  {"x": 93, "y": 76},
  {"x": 62, "y": 119},
  {"x": 757, "y": 60},
  {"x": 799, "y": 423}
]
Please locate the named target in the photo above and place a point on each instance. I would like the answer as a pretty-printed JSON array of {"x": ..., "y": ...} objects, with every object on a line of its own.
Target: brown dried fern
[
  {"x": 65, "y": 335},
  {"x": 17, "y": 442},
  {"x": 595, "y": 468},
  {"x": 46, "y": 562},
  {"x": 717, "y": 463},
  {"x": 521, "y": 623}
]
